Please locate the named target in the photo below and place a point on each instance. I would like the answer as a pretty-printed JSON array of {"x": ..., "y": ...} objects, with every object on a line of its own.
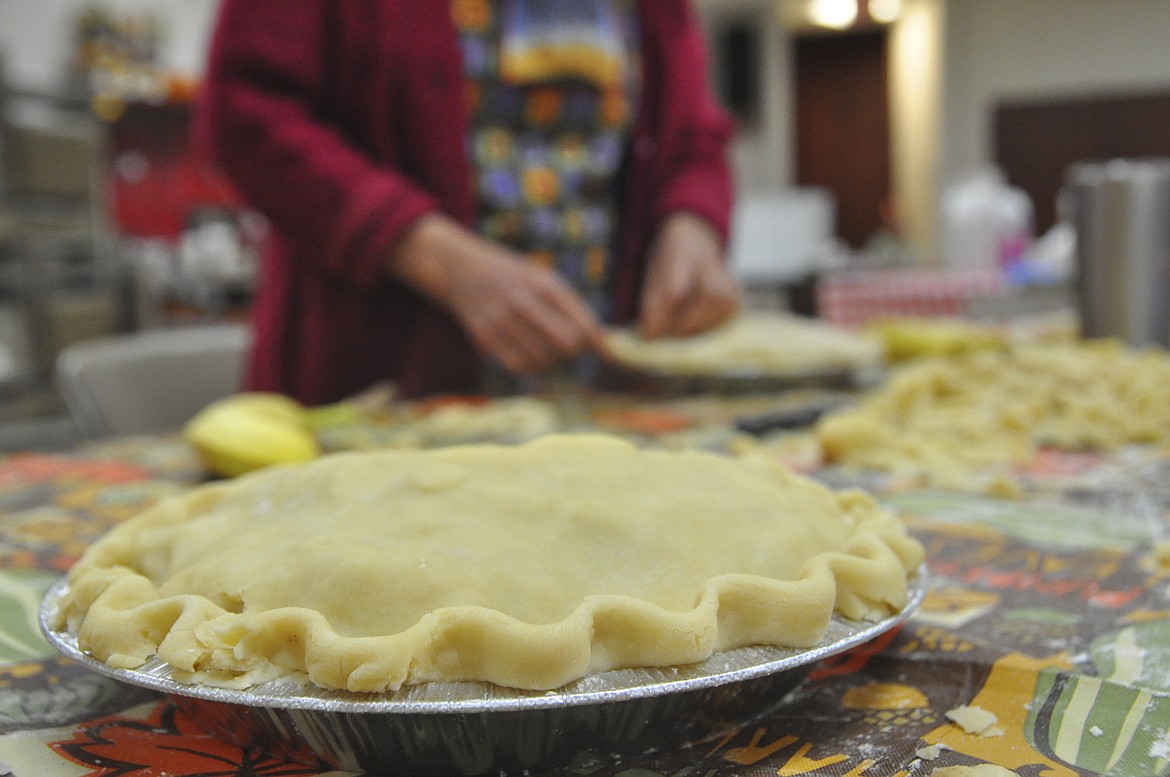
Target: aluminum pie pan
[{"x": 472, "y": 728}]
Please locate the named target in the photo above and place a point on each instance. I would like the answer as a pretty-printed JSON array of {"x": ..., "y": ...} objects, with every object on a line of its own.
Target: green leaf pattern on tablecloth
[
  {"x": 20, "y": 599},
  {"x": 1136, "y": 655},
  {"x": 1107, "y": 728}
]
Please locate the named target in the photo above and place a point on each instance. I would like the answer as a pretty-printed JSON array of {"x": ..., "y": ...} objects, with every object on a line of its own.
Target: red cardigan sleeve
[
  {"x": 678, "y": 155},
  {"x": 259, "y": 118},
  {"x": 694, "y": 131}
]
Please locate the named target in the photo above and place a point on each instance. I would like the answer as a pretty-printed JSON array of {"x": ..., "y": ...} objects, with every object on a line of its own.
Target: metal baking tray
[
  {"x": 642, "y": 381},
  {"x": 469, "y": 728}
]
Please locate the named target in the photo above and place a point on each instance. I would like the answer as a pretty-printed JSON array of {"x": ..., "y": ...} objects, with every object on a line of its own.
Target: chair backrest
[{"x": 151, "y": 381}]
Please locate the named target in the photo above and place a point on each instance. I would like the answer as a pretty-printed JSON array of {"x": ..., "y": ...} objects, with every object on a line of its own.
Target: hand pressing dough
[{"x": 752, "y": 343}]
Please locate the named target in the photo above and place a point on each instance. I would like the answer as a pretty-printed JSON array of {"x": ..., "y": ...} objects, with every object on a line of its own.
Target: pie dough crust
[
  {"x": 948, "y": 422},
  {"x": 752, "y": 342},
  {"x": 526, "y": 566}
]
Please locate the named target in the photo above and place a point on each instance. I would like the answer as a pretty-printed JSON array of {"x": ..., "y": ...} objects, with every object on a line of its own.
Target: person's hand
[
  {"x": 688, "y": 288},
  {"x": 523, "y": 315}
]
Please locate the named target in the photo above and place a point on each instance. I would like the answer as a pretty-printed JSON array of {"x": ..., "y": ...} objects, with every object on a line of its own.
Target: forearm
[
  {"x": 436, "y": 256},
  {"x": 259, "y": 119},
  {"x": 520, "y": 313}
]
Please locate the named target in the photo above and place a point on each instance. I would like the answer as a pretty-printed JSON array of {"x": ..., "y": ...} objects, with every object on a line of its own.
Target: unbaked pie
[
  {"x": 526, "y": 566},
  {"x": 752, "y": 342}
]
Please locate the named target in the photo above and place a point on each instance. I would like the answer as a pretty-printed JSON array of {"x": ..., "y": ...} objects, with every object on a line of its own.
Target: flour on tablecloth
[{"x": 1161, "y": 747}]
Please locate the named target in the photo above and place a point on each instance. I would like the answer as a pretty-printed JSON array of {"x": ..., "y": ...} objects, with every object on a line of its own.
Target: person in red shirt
[{"x": 450, "y": 185}]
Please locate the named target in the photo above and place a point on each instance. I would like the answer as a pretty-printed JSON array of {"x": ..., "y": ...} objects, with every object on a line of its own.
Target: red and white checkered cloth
[{"x": 854, "y": 298}]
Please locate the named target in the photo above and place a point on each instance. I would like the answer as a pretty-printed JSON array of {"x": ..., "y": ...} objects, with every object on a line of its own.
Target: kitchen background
[{"x": 888, "y": 136}]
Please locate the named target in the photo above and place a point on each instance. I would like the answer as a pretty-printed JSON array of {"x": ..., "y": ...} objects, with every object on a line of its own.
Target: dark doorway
[
  {"x": 843, "y": 127},
  {"x": 1035, "y": 142},
  {"x": 737, "y": 62}
]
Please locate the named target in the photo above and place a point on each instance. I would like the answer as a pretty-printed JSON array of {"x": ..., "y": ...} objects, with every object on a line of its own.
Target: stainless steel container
[{"x": 1120, "y": 210}]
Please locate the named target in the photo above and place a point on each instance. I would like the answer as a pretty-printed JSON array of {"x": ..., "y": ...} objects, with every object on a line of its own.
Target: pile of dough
[
  {"x": 526, "y": 566},
  {"x": 502, "y": 419},
  {"x": 947, "y": 421},
  {"x": 753, "y": 342}
]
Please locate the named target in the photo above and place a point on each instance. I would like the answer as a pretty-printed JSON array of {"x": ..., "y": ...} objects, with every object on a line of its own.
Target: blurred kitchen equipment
[
  {"x": 150, "y": 381},
  {"x": 1120, "y": 209},
  {"x": 987, "y": 222},
  {"x": 781, "y": 240},
  {"x": 778, "y": 236}
]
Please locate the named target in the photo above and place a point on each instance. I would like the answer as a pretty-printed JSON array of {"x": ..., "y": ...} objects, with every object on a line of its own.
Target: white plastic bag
[{"x": 987, "y": 223}]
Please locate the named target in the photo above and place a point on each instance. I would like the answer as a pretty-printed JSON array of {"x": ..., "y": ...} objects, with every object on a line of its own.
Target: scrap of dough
[
  {"x": 930, "y": 751},
  {"x": 975, "y": 720},
  {"x": 527, "y": 566}
]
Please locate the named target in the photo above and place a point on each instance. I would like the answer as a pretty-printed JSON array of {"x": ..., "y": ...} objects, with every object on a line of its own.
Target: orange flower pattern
[
  {"x": 167, "y": 742},
  {"x": 471, "y": 14},
  {"x": 55, "y": 506}
]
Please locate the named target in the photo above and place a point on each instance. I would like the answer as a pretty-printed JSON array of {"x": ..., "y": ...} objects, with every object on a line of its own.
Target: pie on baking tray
[
  {"x": 752, "y": 342},
  {"x": 526, "y": 566}
]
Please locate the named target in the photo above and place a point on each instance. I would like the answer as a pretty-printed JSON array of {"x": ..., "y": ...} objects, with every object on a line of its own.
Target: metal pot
[{"x": 1120, "y": 210}]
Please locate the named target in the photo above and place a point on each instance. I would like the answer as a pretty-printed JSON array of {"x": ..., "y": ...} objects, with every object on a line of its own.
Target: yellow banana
[
  {"x": 909, "y": 338},
  {"x": 251, "y": 430}
]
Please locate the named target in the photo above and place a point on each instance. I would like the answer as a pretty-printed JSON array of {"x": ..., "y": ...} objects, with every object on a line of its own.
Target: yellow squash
[{"x": 249, "y": 431}]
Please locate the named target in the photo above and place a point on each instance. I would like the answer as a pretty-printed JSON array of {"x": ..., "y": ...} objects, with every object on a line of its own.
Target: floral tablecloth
[{"x": 1052, "y": 613}]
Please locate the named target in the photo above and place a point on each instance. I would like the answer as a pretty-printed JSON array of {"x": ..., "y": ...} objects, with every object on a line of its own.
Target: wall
[
  {"x": 1008, "y": 49},
  {"x": 952, "y": 60},
  {"x": 762, "y": 152},
  {"x": 916, "y": 88}
]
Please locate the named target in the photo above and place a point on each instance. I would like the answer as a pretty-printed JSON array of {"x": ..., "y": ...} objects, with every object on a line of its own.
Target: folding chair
[{"x": 151, "y": 381}]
